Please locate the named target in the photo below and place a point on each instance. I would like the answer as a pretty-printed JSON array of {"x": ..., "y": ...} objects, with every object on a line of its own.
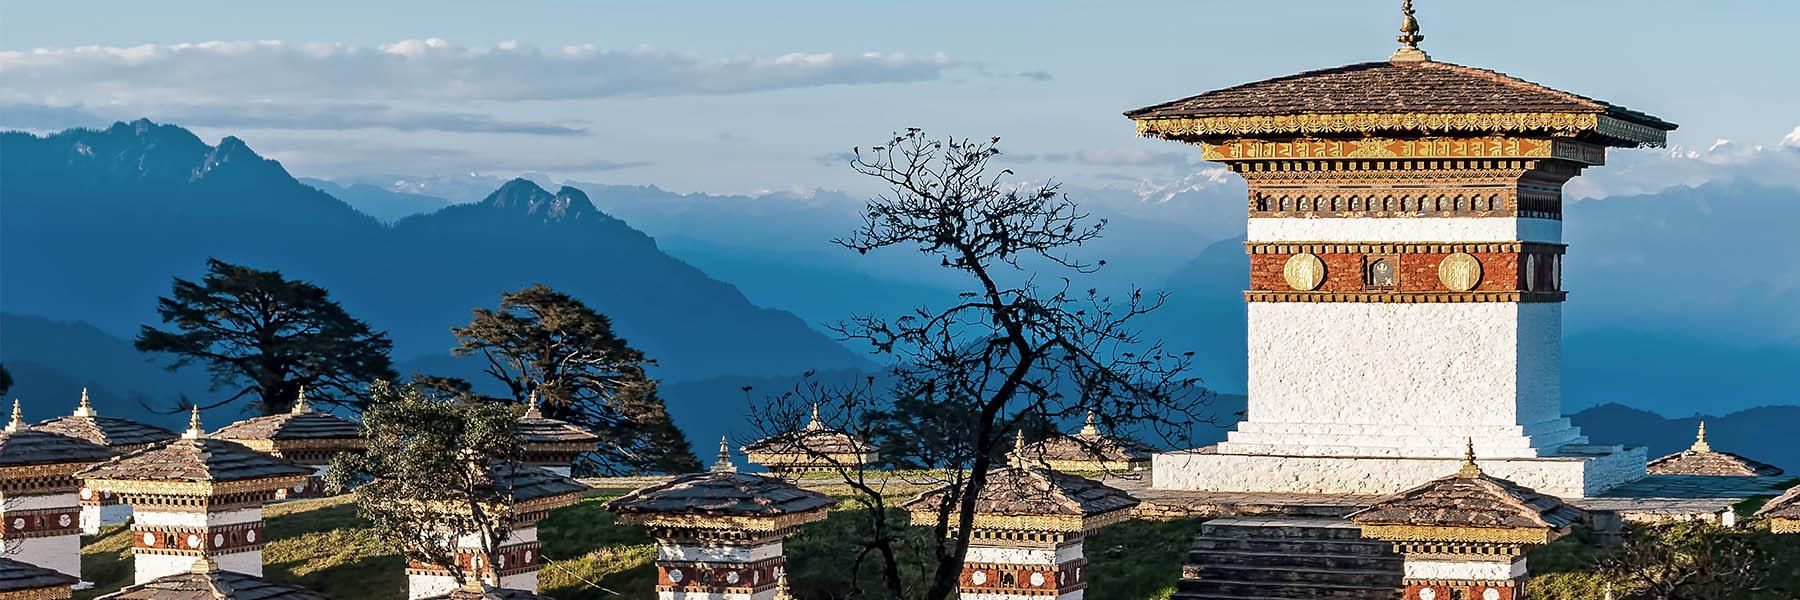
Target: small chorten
[
  {"x": 195, "y": 497},
  {"x": 532, "y": 494},
  {"x": 39, "y": 513},
  {"x": 303, "y": 435},
  {"x": 1465, "y": 536},
  {"x": 205, "y": 580},
  {"x": 719, "y": 534},
  {"x": 723, "y": 463},
  {"x": 550, "y": 443},
  {"x": 1700, "y": 459},
  {"x": 815, "y": 447},
  {"x": 1089, "y": 450},
  {"x": 25, "y": 581},
  {"x": 1783, "y": 512},
  {"x": 1409, "y": 37},
  {"x": 1029, "y": 527},
  {"x": 122, "y": 436}
]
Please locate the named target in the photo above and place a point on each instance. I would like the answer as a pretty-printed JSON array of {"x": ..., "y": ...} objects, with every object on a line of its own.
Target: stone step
[
  {"x": 1281, "y": 531},
  {"x": 1374, "y": 560},
  {"x": 1215, "y": 588},
  {"x": 1324, "y": 547},
  {"x": 1378, "y": 578}
]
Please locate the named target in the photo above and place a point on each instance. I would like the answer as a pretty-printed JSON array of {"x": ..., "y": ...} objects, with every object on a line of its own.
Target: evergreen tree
[
  {"x": 264, "y": 336},
  {"x": 546, "y": 342},
  {"x": 5, "y": 380}
]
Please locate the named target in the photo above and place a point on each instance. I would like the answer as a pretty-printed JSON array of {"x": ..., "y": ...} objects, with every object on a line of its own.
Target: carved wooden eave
[
  {"x": 1220, "y": 130},
  {"x": 764, "y": 524},
  {"x": 1461, "y": 535},
  {"x": 195, "y": 489}
]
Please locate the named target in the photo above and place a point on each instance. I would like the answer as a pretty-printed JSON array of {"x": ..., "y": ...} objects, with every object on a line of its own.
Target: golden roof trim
[
  {"x": 1041, "y": 523},
  {"x": 780, "y": 522},
  {"x": 195, "y": 488},
  {"x": 1468, "y": 535},
  {"x": 1568, "y": 124}
]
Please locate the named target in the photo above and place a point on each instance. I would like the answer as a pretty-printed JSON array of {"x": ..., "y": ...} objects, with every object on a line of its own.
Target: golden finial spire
[
  {"x": 781, "y": 585},
  {"x": 815, "y": 424},
  {"x": 18, "y": 417},
  {"x": 1018, "y": 451},
  {"x": 85, "y": 409},
  {"x": 531, "y": 406},
  {"x": 1470, "y": 470},
  {"x": 1700, "y": 444},
  {"x": 1088, "y": 428},
  {"x": 1409, "y": 37},
  {"x": 723, "y": 464},
  {"x": 204, "y": 566},
  {"x": 194, "y": 431},
  {"x": 300, "y": 403}
]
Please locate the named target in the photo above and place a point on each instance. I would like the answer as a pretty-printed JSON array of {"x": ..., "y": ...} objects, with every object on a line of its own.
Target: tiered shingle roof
[
  {"x": 1701, "y": 459},
  {"x": 1784, "y": 510},
  {"x": 206, "y": 582},
  {"x": 301, "y": 423},
  {"x": 24, "y": 446},
  {"x": 1470, "y": 500},
  {"x": 113, "y": 432},
  {"x": 25, "y": 579},
  {"x": 813, "y": 446},
  {"x": 526, "y": 482},
  {"x": 721, "y": 494},
  {"x": 1088, "y": 450},
  {"x": 194, "y": 459},
  {"x": 1033, "y": 492}
]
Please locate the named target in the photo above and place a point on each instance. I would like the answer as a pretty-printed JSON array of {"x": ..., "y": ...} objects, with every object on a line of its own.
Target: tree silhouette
[{"x": 265, "y": 336}]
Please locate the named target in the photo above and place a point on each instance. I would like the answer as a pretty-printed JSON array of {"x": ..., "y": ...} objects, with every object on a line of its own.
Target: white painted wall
[
  {"x": 426, "y": 586},
  {"x": 199, "y": 519},
  {"x": 1596, "y": 470},
  {"x": 38, "y": 501},
  {"x": 60, "y": 553},
  {"x": 1491, "y": 570},
  {"x": 523, "y": 581},
  {"x": 762, "y": 595},
  {"x": 1025, "y": 556},
  {"x": 249, "y": 562},
  {"x": 738, "y": 554},
  {"x": 1416, "y": 378},
  {"x": 1074, "y": 595},
  {"x": 1433, "y": 229}
]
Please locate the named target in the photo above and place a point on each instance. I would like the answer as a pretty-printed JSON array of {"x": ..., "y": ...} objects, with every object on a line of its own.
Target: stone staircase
[{"x": 1280, "y": 558}]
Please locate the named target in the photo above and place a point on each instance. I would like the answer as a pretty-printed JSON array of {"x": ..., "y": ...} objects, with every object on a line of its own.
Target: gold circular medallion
[
  {"x": 1460, "y": 272},
  {"x": 1304, "y": 272}
]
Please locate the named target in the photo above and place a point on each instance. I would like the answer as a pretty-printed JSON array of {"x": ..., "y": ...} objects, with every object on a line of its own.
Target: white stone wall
[
  {"x": 1594, "y": 470},
  {"x": 1485, "y": 570},
  {"x": 199, "y": 519},
  {"x": 248, "y": 562},
  {"x": 60, "y": 553},
  {"x": 426, "y": 586},
  {"x": 523, "y": 581},
  {"x": 37, "y": 501},
  {"x": 1074, "y": 595},
  {"x": 1420, "y": 377},
  {"x": 1360, "y": 229},
  {"x": 767, "y": 594},
  {"x": 736, "y": 554},
  {"x": 1025, "y": 556}
]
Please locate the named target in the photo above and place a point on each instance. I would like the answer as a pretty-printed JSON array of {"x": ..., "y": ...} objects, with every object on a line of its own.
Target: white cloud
[
  {"x": 1634, "y": 172},
  {"x": 423, "y": 70},
  {"x": 272, "y": 115}
]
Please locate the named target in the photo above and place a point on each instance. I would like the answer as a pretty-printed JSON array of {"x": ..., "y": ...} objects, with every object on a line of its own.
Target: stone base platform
[
  {"x": 1262, "y": 558},
  {"x": 1574, "y": 471}
]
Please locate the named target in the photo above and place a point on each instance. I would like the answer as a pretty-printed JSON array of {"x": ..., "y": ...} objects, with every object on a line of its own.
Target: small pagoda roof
[
  {"x": 1407, "y": 94},
  {"x": 721, "y": 494},
  {"x": 23, "y": 446},
  {"x": 18, "y": 576},
  {"x": 1034, "y": 492},
  {"x": 194, "y": 459},
  {"x": 814, "y": 439},
  {"x": 1785, "y": 506},
  {"x": 1087, "y": 445},
  {"x": 112, "y": 432},
  {"x": 528, "y": 482},
  {"x": 534, "y": 428},
  {"x": 300, "y": 423},
  {"x": 205, "y": 581},
  {"x": 1468, "y": 500},
  {"x": 1701, "y": 459}
]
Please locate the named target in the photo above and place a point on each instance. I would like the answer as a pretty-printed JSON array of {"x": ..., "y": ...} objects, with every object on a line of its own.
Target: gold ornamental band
[
  {"x": 1479, "y": 535},
  {"x": 1405, "y": 248},
  {"x": 1404, "y": 297},
  {"x": 1500, "y": 147},
  {"x": 1561, "y": 124}
]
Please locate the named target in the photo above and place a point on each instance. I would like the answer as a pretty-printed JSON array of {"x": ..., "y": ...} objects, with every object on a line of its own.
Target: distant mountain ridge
[{"x": 96, "y": 222}]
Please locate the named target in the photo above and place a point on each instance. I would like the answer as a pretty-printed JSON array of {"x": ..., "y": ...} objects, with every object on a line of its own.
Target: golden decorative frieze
[
  {"x": 1560, "y": 124},
  {"x": 1033, "y": 523},
  {"x": 1459, "y": 272},
  {"x": 725, "y": 522},
  {"x": 1404, "y": 297},
  {"x": 195, "y": 488},
  {"x": 1404, "y": 248},
  {"x": 1784, "y": 525},
  {"x": 60, "y": 592},
  {"x": 1476, "y": 535},
  {"x": 1387, "y": 148}
]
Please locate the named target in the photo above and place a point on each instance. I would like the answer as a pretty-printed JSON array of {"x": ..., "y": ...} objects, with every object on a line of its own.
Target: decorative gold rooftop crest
[
  {"x": 194, "y": 432},
  {"x": 723, "y": 464},
  {"x": 1409, "y": 37},
  {"x": 85, "y": 409},
  {"x": 300, "y": 403},
  {"x": 1700, "y": 444},
  {"x": 18, "y": 417},
  {"x": 1469, "y": 470}
]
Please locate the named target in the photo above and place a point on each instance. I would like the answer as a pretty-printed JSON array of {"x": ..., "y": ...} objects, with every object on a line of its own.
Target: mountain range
[{"x": 95, "y": 224}]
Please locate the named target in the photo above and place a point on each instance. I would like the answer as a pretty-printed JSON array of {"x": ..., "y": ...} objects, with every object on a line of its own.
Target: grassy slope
[{"x": 322, "y": 545}]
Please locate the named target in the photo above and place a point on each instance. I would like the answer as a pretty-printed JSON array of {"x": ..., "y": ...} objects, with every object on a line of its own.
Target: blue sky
[{"x": 747, "y": 96}]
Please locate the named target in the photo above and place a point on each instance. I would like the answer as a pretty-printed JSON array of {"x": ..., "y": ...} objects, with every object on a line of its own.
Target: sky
[{"x": 745, "y": 97}]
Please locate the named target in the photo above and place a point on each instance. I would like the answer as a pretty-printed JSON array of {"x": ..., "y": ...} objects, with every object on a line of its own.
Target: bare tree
[
  {"x": 1005, "y": 355},
  {"x": 1690, "y": 561}
]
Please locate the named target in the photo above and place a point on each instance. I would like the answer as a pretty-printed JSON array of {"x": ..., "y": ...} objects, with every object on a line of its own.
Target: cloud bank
[
  {"x": 432, "y": 70},
  {"x": 1644, "y": 172}
]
